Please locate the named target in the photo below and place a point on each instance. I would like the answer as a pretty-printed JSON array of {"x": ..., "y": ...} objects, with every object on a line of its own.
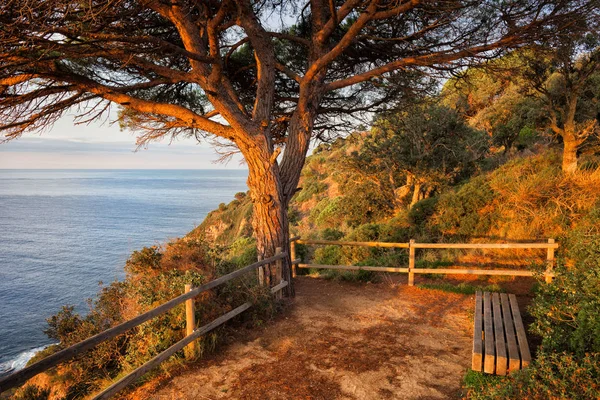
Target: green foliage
[
  {"x": 348, "y": 276},
  {"x": 567, "y": 318},
  {"x": 550, "y": 376},
  {"x": 422, "y": 211},
  {"x": 331, "y": 234},
  {"x": 363, "y": 203},
  {"x": 567, "y": 312},
  {"x": 313, "y": 188},
  {"x": 462, "y": 288},
  {"x": 149, "y": 258},
  {"x": 155, "y": 275},
  {"x": 464, "y": 212},
  {"x": 328, "y": 255},
  {"x": 427, "y": 145},
  {"x": 240, "y": 196},
  {"x": 496, "y": 101}
]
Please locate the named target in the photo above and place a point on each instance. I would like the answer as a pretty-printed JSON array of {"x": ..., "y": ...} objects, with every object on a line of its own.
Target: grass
[
  {"x": 345, "y": 276},
  {"x": 474, "y": 382},
  {"x": 462, "y": 288}
]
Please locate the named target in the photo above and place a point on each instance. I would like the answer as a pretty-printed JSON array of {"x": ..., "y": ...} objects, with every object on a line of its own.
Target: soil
[{"x": 340, "y": 340}]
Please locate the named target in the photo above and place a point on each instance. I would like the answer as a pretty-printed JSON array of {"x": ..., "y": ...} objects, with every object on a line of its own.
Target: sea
[{"x": 65, "y": 232}]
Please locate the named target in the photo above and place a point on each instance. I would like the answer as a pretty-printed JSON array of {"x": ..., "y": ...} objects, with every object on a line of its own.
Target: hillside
[{"x": 525, "y": 197}]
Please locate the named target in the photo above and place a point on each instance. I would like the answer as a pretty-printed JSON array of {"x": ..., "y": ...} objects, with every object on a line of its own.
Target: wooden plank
[
  {"x": 549, "y": 263},
  {"x": 26, "y": 373},
  {"x": 190, "y": 324},
  {"x": 353, "y": 268},
  {"x": 486, "y": 245},
  {"x": 477, "y": 359},
  {"x": 140, "y": 371},
  {"x": 462, "y": 271},
  {"x": 520, "y": 329},
  {"x": 501, "y": 358},
  {"x": 514, "y": 361},
  {"x": 278, "y": 273},
  {"x": 293, "y": 257},
  {"x": 437, "y": 245},
  {"x": 489, "y": 359},
  {"x": 411, "y": 263},
  {"x": 507, "y": 272},
  {"x": 277, "y": 288},
  {"x": 363, "y": 244}
]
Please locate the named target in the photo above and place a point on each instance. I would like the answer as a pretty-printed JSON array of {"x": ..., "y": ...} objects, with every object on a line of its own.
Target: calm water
[{"x": 64, "y": 231}]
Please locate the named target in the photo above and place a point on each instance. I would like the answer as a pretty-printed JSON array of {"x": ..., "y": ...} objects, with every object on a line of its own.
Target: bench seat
[{"x": 499, "y": 339}]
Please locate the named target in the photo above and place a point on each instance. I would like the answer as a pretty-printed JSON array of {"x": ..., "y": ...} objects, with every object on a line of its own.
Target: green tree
[
  {"x": 495, "y": 99},
  {"x": 425, "y": 147}
]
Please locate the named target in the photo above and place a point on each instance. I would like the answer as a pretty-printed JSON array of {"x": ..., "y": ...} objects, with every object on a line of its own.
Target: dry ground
[{"x": 343, "y": 341}]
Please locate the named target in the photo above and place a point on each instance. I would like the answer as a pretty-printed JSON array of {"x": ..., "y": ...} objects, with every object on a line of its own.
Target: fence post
[
  {"x": 293, "y": 257},
  {"x": 278, "y": 272},
  {"x": 190, "y": 325},
  {"x": 411, "y": 263},
  {"x": 261, "y": 272},
  {"x": 550, "y": 262}
]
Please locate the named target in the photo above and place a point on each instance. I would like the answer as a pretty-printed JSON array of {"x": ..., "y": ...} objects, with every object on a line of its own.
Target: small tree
[
  {"x": 562, "y": 77},
  {"x": 495, "y": 99},
  {"x": 226, "y": 71},
  {"x": 426, "y": 146}
]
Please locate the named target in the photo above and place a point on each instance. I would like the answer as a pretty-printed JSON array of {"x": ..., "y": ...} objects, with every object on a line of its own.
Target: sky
[{"x": 103, "y": 146}]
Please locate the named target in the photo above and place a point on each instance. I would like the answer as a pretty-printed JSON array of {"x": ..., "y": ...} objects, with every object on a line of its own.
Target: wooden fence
[
  {"x": 192, "y": 333},
  {"x": 412, "y": 246}
]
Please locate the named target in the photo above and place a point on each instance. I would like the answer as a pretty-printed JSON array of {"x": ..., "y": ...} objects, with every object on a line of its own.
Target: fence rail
[
  {"x": 59, "y": 357},
  {"x": 412, "y": 246}
]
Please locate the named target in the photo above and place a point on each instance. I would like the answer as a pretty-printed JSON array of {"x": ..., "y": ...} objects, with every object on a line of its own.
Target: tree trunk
[
  {"x": 269, "y": 219},
  {"x": 569, "y": 160},
  {"x": 416, "y": 194}
]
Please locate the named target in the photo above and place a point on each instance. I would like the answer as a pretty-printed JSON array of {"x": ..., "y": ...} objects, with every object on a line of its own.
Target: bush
[
  {"x": 567, "y": 317},
  {"x": 550, "y": 376},
  {"x": 328, "y": 255},
  {"x": 32, "y": 392},
  {"x": 422, "y": 210},
  {"x": 154, "y": 276},
  {"x": 240, "y": 196},
  {"x": 464, "y": 211},
  {"x": 331, "y": 234},
  {"x": 567, "y": 312}
]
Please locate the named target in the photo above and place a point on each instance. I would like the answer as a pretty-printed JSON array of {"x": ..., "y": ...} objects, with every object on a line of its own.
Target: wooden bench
[{"x": 499, "y": 342}]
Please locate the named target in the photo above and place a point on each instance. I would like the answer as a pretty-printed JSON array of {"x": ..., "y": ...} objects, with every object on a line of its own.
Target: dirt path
[{"x": 343, "y": 341}]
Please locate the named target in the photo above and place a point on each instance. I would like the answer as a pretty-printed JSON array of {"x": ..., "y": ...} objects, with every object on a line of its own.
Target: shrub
[
  {"x": 328, "y": 255},
  {"x": 32, "y": 392},
  {"x": 331, "y": 234},
  {"x": 550, "y": 376},
  {"x": 567, "y": 317},
  {"x": 463, "y": 212},
  {"x": 154, "y": 276},
  {"x": 422, "y": 210},
  {"x": 240, "y": 196},
  {"x": 567, "y": 312},
  {"x": 462, "y": 288}
]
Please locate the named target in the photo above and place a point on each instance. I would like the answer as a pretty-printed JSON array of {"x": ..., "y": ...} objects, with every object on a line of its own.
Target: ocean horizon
[{"x": 64, "y": 232}]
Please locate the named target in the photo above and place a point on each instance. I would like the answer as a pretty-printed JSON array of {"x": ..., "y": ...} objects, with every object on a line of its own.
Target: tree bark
[
  {"x": 416, "y": 194},
  {"x": 569, "y": 160},
  {"x": 269, "y": 219}
]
